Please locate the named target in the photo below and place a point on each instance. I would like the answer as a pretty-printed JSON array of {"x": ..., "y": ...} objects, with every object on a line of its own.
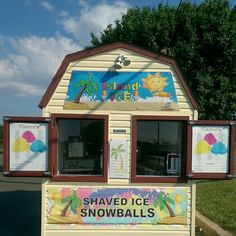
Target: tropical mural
[
  {"x": 116, "y": 153},
  {"x": 119, "y": 159},
  {"x": 87, "y": 88},
  {"x": 117, "y": 205}
]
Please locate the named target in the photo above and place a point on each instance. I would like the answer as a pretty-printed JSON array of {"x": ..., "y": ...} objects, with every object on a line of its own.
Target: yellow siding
[
  {"x": 102, "y": 62},
  {"x": 119, "y": 120}
]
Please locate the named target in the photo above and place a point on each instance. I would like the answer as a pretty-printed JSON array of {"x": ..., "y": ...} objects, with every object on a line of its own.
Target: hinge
[
  {"x": 6, "y": 118},
  {"x": 190, "y": 175},
  {"x": 192, "y": 122},
  {"x": 47, "y": 119},
  {"x": 47, "y": 173},
  {"x": 53, "y": 168},
  {"x": 53, "y": 122}
]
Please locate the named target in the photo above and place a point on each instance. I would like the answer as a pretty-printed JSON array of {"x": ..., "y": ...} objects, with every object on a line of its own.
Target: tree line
[{"x": 201, "y": 37}]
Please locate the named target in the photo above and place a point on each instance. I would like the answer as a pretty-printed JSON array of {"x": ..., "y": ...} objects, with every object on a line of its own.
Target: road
[{"x": 20, "y": 205}]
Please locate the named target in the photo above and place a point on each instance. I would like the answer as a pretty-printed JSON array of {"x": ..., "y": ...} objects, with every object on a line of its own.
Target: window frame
[
  {"x": 54, "y": 143},
  {"x": 158, "y": 179}
]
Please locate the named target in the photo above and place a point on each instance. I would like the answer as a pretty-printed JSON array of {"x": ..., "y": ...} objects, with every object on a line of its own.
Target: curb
[{"x": 208, "y": 227}]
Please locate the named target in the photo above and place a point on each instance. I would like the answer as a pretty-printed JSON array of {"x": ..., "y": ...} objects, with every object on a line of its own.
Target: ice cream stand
[{"x": 119, "y": 144}]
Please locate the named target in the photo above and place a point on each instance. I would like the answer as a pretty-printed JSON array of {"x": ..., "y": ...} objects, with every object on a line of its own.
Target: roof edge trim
[{"x": 94, "y": 51}]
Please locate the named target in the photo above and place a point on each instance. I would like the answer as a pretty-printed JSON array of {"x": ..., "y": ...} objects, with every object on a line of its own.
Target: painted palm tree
[
  {"x": 163, "y": 201},
  {"x": 87, "y": 85},
  {"x": 73, "y": 201},
  {"x": 117, "y": 154}
]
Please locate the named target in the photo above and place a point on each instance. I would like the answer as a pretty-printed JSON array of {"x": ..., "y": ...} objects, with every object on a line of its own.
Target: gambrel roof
[{"x": 105, "y": 48}]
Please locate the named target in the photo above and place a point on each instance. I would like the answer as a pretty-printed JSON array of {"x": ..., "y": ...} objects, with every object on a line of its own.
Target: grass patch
[{"x": 217, "y": 201}]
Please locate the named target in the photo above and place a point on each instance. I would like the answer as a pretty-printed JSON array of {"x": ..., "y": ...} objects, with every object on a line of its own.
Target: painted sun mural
[
  {"x": 117, "y": 206},
  {"x": 156, "y": 84}
]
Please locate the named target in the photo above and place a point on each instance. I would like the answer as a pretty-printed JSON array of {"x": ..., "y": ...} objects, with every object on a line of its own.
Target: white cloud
[
  {"x": 35, "y": 60},
  {"x": 28, "y": 64},
  {"x": 63, "y": 13},
  {"x": 6, "y": 70},
  {"x": 48, "y": 6},
  {"x": 19, "y": 88},
  {"x": 93, "y": 19}
]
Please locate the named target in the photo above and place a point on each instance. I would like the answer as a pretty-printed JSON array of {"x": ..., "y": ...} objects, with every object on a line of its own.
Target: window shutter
[{"x": 26, "y": 146}]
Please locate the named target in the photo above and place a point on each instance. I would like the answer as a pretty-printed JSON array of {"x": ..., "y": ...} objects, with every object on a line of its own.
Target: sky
[{"x": 35, "y": 36}]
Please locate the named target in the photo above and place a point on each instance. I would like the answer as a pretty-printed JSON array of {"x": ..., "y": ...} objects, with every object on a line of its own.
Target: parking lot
[{"x": 20, "y": 200}]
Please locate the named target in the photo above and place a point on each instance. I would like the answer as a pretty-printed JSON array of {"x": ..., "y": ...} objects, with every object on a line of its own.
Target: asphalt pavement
[{"x": 20, "y": 205}]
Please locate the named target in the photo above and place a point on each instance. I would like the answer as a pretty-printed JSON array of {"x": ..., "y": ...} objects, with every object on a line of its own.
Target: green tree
[
  {"x": 163, "y": 202},
  {"x": 72, "y": 201},
  {"x": 88, "y": 86},
  {"x": 202, "y": 39}
]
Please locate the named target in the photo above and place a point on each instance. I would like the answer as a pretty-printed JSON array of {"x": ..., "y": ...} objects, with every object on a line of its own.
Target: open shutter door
[
  {"x": 26, "y": 146},
  {"x": 210, "y": 149}
]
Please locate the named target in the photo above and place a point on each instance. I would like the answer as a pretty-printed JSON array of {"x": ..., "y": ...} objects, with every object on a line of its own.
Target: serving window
[
  {"x": 81, "y": 148},
  {"x": 159, "y": 148},
  {"x": 72, "y": 147}
]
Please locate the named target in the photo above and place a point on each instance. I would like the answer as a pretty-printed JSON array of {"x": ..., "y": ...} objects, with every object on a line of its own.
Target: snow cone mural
[
  {"x": 87, "y": 89},
  {"x": 210, "y": 149},
  {"x": 117, "y": 205},
  {"x": 28, "y": 146}
]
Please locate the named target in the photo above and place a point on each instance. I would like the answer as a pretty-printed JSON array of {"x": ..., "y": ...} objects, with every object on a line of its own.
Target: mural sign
[
  {"x": 88, "y": 89},
  {"x": 119, "y": 159},
  {"x": 210, "y": 149},
  {"x": 117, "y": 205},
  {"x": 28, "y": 146}
]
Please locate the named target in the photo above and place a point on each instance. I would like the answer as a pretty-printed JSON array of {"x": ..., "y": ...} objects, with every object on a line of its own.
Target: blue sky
[{"x": 35, "y": 35}]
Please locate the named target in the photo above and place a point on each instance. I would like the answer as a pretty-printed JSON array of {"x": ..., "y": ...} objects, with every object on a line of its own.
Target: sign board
[
  {"x": 119, "y": 159},
  {"x": 27, "y": 145},
  {"x": 211, "y": 149},
  {"x": 119, "y": 131},
  {"x": 94, "y": 89},
  {"x": 133, "y": 206}
]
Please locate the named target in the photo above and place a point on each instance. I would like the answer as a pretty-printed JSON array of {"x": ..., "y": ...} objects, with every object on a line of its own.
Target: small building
[{"x": 121, "y": 145}]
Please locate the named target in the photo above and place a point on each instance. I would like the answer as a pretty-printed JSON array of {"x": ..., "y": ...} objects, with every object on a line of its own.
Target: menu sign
[
  {"x": 28, "y": 146},
  {"x": 210, "y": 149}
]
